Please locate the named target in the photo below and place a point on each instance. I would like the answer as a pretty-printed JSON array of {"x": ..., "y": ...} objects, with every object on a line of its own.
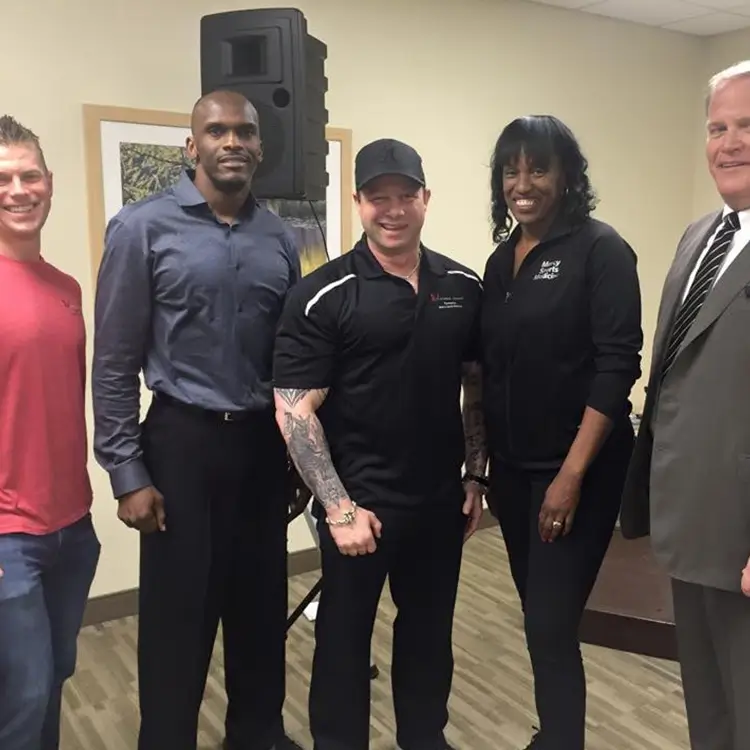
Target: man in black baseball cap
[
  {"x": 392, "y": 199},
  {"x": 379, "y": 338},
  {"x": 387, "y": 156}
]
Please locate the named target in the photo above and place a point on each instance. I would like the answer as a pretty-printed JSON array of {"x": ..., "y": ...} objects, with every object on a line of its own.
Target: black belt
[{"x": 210, "y": 414}]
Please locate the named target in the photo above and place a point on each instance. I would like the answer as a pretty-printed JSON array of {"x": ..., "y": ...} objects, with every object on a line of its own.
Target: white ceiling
[{"x": 701, "y": 17}]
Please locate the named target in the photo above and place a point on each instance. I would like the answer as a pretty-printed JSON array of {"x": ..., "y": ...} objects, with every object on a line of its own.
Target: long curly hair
[{"x": 541, "y": 138}]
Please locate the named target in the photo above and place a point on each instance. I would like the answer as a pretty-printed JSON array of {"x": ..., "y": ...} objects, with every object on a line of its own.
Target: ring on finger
[{"x": 557, "y": 524}]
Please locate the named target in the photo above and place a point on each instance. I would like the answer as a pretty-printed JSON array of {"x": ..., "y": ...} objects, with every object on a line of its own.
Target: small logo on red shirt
[{"x": 72, "y": 306}]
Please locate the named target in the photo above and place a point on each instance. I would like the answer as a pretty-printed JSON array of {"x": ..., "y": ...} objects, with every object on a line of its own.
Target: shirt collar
[
  {"x": 560, "y": 227},
  {"x": 743, "y": 216},
  {"x": 187, "y": 193},
  {"x": 371, "y": 269}
]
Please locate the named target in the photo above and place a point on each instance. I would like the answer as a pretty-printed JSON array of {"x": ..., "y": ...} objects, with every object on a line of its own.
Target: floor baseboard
[
  {"x": 125, "y": 603},
  {"x": 111, "y": 607}
]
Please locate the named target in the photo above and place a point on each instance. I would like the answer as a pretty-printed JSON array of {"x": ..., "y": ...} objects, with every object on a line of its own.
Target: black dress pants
[
  {"x": 420, "y": 553},
  {"x": 554, "y": 580},
  {"x": 221, "y": 558}
]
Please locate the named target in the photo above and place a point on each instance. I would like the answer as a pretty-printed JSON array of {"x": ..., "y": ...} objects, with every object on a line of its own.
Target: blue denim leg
[
  {"x": 66, "y": 589},
  {"x": 43, "y": 593},
  {"x": 25, "y": 644}
]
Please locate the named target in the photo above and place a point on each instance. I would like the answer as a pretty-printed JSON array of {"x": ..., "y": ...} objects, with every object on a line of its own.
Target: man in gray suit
[{"x": 689, "y": 479}]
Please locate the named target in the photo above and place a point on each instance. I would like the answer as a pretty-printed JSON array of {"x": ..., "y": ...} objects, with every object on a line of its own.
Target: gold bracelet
[{"x": 346, "y": 520}]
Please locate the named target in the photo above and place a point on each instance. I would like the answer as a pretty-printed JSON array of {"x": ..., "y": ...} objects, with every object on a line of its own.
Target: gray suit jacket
[{"x": 688, "y": 484}]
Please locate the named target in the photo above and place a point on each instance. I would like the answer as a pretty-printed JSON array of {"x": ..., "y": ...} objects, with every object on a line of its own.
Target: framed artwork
[{"x": 133, "y": 153}]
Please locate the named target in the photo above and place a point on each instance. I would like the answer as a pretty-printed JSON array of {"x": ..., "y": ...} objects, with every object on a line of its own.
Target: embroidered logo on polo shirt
[
  {"x": 549, "y": 270},
  {"x": 446, "y": 302}
]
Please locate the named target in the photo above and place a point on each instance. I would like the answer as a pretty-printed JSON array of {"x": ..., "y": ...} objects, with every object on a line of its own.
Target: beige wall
[{"x": 444, "y": 79}]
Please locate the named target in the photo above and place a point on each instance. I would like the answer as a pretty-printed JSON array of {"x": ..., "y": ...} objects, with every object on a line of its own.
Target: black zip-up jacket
[{"x": 563, "y": 335}]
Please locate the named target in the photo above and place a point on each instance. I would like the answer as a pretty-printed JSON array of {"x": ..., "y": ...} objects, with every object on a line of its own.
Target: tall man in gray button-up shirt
[{"x": 191, "y": 285}]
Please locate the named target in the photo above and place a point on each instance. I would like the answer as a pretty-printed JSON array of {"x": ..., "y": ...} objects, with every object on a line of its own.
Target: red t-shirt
[{"x": 44, "y": 481}]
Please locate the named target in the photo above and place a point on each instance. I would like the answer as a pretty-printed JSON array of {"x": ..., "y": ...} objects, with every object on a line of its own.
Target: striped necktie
[{"x": 701, "y": 286}]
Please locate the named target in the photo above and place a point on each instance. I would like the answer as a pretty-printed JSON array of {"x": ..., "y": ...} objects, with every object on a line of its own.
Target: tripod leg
[{"x": 314, "y": 591}]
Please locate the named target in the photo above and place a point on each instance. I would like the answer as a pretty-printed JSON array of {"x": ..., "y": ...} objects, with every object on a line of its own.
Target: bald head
[
  {"x": 225, "y": 140},
  {"x": 217, "y": 101}
]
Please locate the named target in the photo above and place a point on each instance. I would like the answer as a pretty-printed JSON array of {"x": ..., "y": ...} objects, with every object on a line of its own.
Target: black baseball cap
[{"x": 387, "y": 156}]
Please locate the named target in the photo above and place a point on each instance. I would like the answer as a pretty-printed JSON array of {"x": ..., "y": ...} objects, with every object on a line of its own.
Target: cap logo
[{"x": 389, "y": 154}]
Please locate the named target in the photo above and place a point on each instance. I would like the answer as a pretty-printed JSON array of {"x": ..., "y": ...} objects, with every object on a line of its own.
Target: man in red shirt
[{"x": 48, "y": 547}]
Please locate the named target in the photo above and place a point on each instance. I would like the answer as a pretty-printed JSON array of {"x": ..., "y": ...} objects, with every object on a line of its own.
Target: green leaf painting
[
  {"x": 302, "y": 217},
  {"x": 147, "y": 169}
]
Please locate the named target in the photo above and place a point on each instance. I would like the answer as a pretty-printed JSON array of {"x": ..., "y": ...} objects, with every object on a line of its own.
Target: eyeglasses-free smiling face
[
  {"x": 728, "y": 141},
  {"x": 392, "y": 210},
  {"x": 25, "y": 192},
  {"x": 532, "y": 191}
]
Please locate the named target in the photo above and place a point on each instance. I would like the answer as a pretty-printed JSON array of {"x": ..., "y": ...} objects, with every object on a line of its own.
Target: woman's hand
[
  {"x": 559, "y": 506},
  {"x": 561, "y": 500}
]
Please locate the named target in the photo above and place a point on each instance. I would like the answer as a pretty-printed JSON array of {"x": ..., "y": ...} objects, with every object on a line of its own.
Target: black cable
[{"x": 320, "y": 226}]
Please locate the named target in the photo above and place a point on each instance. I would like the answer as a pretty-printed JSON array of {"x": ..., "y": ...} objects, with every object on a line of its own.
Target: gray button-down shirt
[{"x": 191, "y": 302}]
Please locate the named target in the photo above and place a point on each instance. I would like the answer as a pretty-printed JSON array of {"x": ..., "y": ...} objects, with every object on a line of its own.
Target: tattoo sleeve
[
  {"x": 307, "y": 444},
  {"x": 473, "y": 418}
]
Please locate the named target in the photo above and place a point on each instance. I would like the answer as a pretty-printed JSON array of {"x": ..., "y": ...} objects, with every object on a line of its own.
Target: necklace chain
[{"x": 413, "y": 270}]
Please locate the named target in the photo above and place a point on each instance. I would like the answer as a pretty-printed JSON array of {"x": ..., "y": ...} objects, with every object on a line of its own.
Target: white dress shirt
[{"x": 740, "y": 239}]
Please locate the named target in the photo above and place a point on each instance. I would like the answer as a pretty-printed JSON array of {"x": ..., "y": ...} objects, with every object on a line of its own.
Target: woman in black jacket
[{"x": 561, "y": 341}]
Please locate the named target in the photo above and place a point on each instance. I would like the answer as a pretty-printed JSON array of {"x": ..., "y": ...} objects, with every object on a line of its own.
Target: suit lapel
[
  {"x": 675, "y": 283},
  {"x": 731, "y": 283}
]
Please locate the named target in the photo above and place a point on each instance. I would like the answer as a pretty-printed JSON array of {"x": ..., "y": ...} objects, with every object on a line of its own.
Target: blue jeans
[{"x": 43, "y": 593}]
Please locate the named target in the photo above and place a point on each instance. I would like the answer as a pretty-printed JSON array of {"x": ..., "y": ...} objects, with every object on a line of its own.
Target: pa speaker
[{"x": 268, "y": 56}]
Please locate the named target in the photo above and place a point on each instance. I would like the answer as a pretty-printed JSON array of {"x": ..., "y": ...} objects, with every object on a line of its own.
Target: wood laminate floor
[{"x": 635, "y": 703}]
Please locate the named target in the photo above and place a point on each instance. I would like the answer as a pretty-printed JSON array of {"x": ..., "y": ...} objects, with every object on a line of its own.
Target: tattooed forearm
[
  {"x": 307, "y": 444},
  {"x": 309, "y": 451},
  {"x": 473, "y": 418}
]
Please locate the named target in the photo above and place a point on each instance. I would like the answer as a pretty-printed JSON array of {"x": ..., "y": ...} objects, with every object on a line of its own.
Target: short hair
[
  {"x": 738, "y": 70},
  {"x": 540, "y": 138},
  {"x": 12, "y": 133}
]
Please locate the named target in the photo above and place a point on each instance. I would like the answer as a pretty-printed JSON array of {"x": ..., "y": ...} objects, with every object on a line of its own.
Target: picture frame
[{"x": 131, "y": 153}]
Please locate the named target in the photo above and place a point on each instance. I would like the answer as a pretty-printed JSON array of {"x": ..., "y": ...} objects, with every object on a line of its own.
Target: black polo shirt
[{"x": 392, "y": 362}]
